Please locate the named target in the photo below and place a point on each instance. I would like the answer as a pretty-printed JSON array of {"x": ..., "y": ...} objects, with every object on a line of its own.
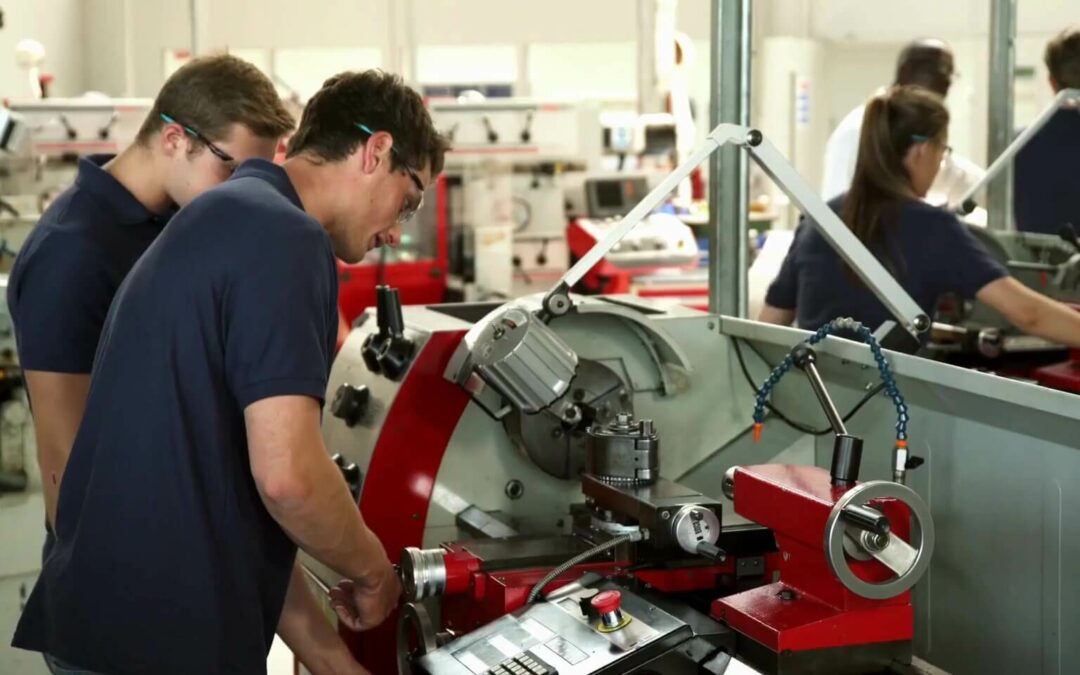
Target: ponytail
[{"x": 892, "y": 123}]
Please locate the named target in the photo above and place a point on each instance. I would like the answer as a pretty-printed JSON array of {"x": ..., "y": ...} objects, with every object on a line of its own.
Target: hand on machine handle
[{"x": 366, "y": 603}]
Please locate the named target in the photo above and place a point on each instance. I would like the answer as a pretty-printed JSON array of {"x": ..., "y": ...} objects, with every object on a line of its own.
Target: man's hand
[{"x": 362, "y": 605}]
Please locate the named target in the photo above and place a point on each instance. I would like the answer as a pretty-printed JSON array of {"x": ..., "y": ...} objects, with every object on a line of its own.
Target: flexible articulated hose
[
  {"x": 844, "y": 326},
  {"x": 577, "y": 560}
]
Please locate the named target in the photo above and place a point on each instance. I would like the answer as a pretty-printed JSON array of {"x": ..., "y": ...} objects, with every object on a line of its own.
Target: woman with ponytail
[{"x": 927, "y": 249}]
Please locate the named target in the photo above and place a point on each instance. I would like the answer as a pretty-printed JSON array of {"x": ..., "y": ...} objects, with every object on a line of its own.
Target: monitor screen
[{"x": 609, "y": 194}]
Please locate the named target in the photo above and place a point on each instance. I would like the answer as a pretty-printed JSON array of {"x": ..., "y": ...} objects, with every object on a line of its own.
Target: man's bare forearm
[
  {"x": 327, "y": 524},
  {"x": 308, "y": 633},
  {"x": 304, "y": 490}
]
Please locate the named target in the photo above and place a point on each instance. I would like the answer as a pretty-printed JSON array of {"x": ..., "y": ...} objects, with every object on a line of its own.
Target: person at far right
[
  {"x": 926, "y": 248},
  {"x": 1046, "y": 175}
]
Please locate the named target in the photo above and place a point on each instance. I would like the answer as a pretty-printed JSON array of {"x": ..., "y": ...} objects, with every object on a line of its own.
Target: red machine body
[
  {"x": 409, "y": 454},
  {"x": 474, "y": 596},
  {"x": 1065, "y": 375},
  {"x": 809, "y": 609}
]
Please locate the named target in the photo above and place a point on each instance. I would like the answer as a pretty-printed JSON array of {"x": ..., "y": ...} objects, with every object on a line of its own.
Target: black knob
[
  {"x": 350, "y": 403},
  {"x": 352, "y": 475},
  {"x": 711, "y": 551},
  {"x": 395, "y": 357},
  {"x": 370, "y": 350},
  {"x": 914, "y": 462},
  {"x": 388, "y": 306}
]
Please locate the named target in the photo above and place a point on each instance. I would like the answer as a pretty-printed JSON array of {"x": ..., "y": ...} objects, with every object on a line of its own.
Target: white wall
[
  {"x": 555, "y": 48},
  {"x": 57, "y": 25},
  {"x": 791, "y": 65}
]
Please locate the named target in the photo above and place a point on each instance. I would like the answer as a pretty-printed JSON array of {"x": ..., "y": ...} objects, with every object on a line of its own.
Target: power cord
[{"x": 798, "y": 426}]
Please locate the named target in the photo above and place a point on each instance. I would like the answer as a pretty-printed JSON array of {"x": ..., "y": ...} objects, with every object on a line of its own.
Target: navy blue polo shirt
[
  {"x": 938, "y": 255},
  {"x": 68, "y": 270},
  {"x": 166, "y": 559},
  {"x": 1046, "y": 176}
]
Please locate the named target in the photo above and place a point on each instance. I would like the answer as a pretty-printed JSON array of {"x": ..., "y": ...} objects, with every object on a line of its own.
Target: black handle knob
[
  {"x": 388, "y": 306},
  {"x": 352, "y": 475},
  {"x": 711, "y": 551},
  {"x": 350, "y": 403}
]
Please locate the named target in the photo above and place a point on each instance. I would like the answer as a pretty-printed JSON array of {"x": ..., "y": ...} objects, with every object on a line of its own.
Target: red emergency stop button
[
  {"x": 606, "y": 602},
  {"x": 607, "y": 605}
]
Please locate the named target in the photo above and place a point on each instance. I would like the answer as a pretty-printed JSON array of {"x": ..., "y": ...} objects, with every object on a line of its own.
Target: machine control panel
[
  {"x": 557, "y": 637},
  {"x": 524, "y": 664}
]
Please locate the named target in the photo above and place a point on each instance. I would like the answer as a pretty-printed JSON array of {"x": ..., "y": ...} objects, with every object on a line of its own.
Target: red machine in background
[
  {"x": 418, "y": 268},
  {"x": 658, "y": 259}
]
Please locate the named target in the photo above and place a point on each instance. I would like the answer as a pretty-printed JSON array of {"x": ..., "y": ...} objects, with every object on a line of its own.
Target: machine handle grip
[
  {"x": 866, "y": 518},
  {"x": 712, "y": 552}
]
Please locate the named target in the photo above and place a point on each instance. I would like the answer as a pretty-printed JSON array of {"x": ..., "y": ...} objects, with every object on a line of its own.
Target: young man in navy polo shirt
[
  {"x": 1045, "y": 194},
  {"x": 200, "y": 467},
  {"x": 211, "y": 115}
]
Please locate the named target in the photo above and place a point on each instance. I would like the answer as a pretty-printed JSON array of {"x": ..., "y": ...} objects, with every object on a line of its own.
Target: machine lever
[
  {"x": 712, "y": 552},
  {"x": 867, "y": 519},
  {"x": 898, "y": 555}
]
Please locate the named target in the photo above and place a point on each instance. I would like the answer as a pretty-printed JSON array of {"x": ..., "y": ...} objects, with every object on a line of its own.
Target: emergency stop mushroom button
[{"x": 607, "y": 605}]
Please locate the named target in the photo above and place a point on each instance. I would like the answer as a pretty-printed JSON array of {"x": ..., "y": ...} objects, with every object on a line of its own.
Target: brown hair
[
  {"x": 380, "y": 101},
  {"x": 211, "y": 93},
  {"x": 892, "y": 123},
  {"x": 1063, "y": 58},
  {"x": 927, "y": 63}
]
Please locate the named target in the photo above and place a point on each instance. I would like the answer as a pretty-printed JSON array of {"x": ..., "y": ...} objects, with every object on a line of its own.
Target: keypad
[{"x": 523, "y": 664}]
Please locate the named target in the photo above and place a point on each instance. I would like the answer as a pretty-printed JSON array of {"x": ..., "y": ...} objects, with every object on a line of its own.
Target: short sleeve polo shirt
[{"x": 166, "y": 559}]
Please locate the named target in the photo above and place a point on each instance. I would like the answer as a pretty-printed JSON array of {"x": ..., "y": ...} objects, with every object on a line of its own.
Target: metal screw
[
  {"x": 664, "y": 515},
  {"x": 498, "y": 332},
  {"x": 787, "y": 595},
  {"x": 556, "y": 432},
  {"x": 515, "y": 489}
]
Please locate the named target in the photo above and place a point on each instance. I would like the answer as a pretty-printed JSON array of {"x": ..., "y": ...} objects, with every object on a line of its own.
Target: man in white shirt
[{"x": 926, "y": 63}]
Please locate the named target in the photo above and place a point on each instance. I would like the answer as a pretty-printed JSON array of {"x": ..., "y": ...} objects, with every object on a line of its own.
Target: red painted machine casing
[
  {"x": 407, "y": 455},
  {"x": 1064, "y": 376},
  {"x": 795, "y": 502}
]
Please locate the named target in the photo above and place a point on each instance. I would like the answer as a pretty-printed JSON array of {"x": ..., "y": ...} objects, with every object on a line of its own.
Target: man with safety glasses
[
  {"x": 83, "y": 246},
  {"x": 200, "y": 467}
]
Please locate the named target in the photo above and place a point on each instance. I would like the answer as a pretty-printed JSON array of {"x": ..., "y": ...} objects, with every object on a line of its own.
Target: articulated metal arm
[
  {"x": 1065, "y": 96},
  {"x": 847, "y": 245}
]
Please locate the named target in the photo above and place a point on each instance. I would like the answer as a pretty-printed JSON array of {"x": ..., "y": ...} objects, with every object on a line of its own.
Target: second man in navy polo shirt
[
  {"x": 210, "y": 115},
  {"x": 200, "y": 466},
  {"x": 1046, "y": 197}
]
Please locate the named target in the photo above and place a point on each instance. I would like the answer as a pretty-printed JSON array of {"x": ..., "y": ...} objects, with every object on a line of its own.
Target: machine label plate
[
  {"x": 566, "y": 650},
  {"x": 511, "y": 640}
]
